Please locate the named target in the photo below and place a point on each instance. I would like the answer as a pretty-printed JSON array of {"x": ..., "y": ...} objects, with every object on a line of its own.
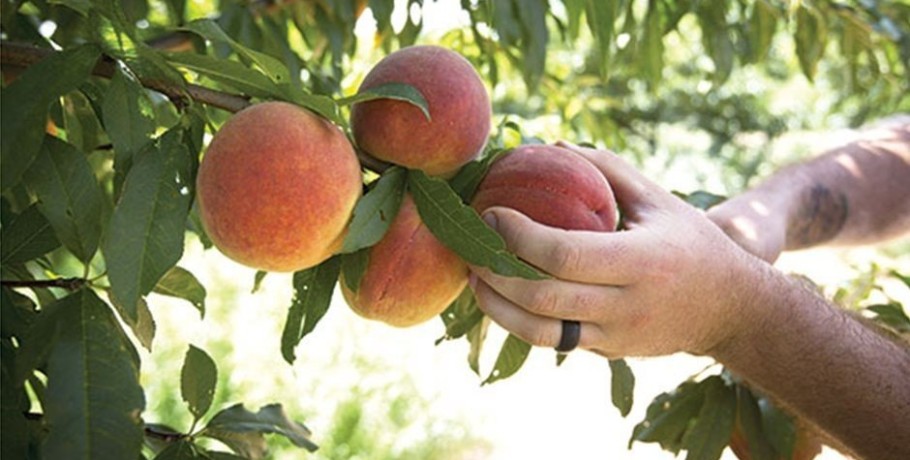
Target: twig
[
  {"x": 70, "y": 284},
  {"x": 19, "y": 55}
]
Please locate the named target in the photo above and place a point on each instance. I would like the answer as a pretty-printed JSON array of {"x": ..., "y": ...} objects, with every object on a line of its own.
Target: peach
[
  {"x": 551, "y": 185},
  {"x": 410, "y": 277},
  {"x": 277, "y": 187},
  {"x": 398, "y": 132}
]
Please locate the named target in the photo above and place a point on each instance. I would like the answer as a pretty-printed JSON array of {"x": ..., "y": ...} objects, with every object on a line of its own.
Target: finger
[
  {"x": 615, "y": 258},
  {"x": 536, "y": 330},
  {"x": 630, "y": 187},
  {"x": 553, "y": 298}
]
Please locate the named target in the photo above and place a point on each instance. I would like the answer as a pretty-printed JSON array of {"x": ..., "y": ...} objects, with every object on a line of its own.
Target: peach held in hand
[
  {"x": 398, "y": 132},
  {"x": 277, "y": 187},
  {"x": 410, "y": 277},
  {"x": 551, "y": 185}
]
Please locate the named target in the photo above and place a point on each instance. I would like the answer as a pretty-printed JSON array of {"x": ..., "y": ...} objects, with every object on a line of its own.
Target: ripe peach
[
  {"x": 277, "y": 187},
  {"x": 551, "y": 185},
  {"x": 410, "y": 277},
  {"x": 398, "y": 132}
]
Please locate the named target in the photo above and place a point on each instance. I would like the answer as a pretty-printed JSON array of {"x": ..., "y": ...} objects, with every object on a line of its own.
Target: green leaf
[
  {"x": 748, "y": 417},
  {"x": 14, "y": 437},
  {"x": 761, "y": 27},
  {"x": 904, "y": 279},
  {"x": 25, "y": 106},
  {"x": 257, "y": 280},
  {"x": 652, "y": 46},
  {"x": 272, "y": 67},
  {"x": 230, "y": 73},
  {"x": 129, "y": 121},
  {"x": 83, "y": 7},
  {"x": 669, "y": 416},
  {"x": 701, "y": 199},
  {"x": 711, "y": 433},
  {"x": 461, "y": 316},
  {"x": 353, "y": 266},
  {"x": 180, "y": 283},
  {"x": 715, "y": 37},
  {"x": 182, "y": 449},
  {"x": 459, "y": 228},
  {"x": 470, "y": 176},
  {"x": 18, "y": 313},
  {"x": 511, "y": 357},
  {"x": 779, "y": 428},
  {"x": 143, "y": 326},
  {"x": 622, "y": 386},
  {"x": 533, "y": 17},
  {"x": 476, "y": 337},
  {"x": 68, "y": 195},
  {"x": 811, "y": 38},
  {"x": 891, "y": 314},
  {"x": 601, "y": 17},
  {"x": 312, "y": 297},
  {"x": 198, "y": 378},
  {"x": 397, "y": 91},
  {"x": 376, "y": 211},
  {"x": 242, "y": 430},
  {"x": 146, "y": 231},
  {"x": 28, "y": 236},
  {"x": 93, "y": 398}
]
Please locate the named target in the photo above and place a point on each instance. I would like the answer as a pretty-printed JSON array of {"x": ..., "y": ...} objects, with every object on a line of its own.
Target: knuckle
[
  {"x": 566, "y": 257},
  {"x": 543, "y": 300}
]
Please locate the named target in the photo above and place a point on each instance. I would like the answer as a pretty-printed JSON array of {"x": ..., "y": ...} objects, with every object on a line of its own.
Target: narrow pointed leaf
[
  {"x": 711, "y": 433},
  {"x": 180, "y": 283},
  {"x": 353, "y": 266},
  {"x": 68, "y": 195},
  {"x": 28, "y": 236},
  {"x": 375, "y": 211},
  {"x": 271, "y": 419},
  {"x": 512, "y": 356},
  {"x": 25, "y": 106},
  {"x": 198, "y": 378},
  {"x": 748, "y": 419},
  {"x": 128, "y": 120},
  {"x": 622, "y": 386},
  {"x": 476, "y": 337},
  {"x": 229, "y": 73},
  {"x": 272, "y": 67},
  {"x": 460, "y": 229},
  {"x": 398, "y": 91},
  {"x": 147, "y": 226},
  {"x": 669, "y": 415},
  {"x": 93, "y": 397},
  {"x": 312, "y": 296}
]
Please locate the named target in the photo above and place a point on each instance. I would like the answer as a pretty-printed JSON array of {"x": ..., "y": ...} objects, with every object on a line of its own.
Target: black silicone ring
[{"x": 571, "y": 333}]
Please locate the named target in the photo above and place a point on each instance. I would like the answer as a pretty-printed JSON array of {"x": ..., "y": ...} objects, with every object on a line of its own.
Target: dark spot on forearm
[{"x": 818, "y": 218}]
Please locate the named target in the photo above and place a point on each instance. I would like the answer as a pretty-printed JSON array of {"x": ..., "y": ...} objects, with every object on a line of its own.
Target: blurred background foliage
[{"x": 701, "y": 95}]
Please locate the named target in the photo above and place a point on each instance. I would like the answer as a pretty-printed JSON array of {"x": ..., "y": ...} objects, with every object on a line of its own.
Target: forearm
[
  {"x": 857, "y": 193},
  {"x": 824, "y": 365}
]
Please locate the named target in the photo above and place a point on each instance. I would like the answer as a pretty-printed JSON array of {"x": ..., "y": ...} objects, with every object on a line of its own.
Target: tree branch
[
  {"x": 70, "y": 284},
  {"x": 21, "y": 56}
]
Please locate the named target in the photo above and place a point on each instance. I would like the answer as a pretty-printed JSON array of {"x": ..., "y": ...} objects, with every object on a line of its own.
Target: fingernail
[
  {"x": 472, "y": 281},
  {"x": 491, "y": 220}
]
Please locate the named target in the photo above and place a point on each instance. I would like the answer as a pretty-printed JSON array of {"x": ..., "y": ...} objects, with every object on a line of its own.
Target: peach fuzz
[
  {"x": 410, "y": 277},
  {"x": 398, "y": 132},
  {"x": 551, "y": 185},
  {"x": 277, "y": 187}
]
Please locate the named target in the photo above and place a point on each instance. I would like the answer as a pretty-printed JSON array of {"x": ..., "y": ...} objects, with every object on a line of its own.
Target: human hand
[{"x": 669, "y": 281}]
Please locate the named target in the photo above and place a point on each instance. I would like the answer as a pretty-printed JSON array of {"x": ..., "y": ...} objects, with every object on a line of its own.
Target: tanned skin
[{"x": 677, "y": 280}]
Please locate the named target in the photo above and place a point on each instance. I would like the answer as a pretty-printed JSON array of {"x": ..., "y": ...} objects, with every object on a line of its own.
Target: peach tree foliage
[{"x": 95, "y": 206}]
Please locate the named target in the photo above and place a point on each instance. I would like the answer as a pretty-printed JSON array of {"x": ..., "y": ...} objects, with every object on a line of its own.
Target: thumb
[{"x": 632, "y": 189}]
